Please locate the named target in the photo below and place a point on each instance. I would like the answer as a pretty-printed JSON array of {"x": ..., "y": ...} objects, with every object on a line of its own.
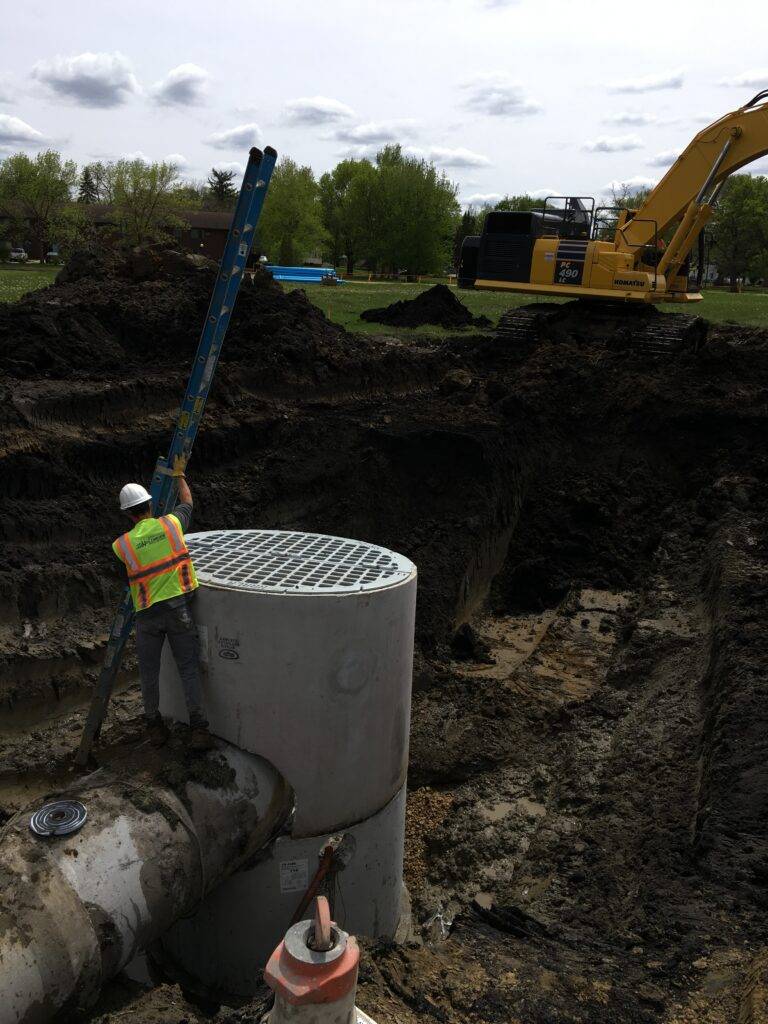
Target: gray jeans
[{"x": 170, "y": 619}]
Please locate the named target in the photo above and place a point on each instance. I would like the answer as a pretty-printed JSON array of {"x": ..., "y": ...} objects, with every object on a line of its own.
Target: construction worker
[{"x": 163, "y": 583}]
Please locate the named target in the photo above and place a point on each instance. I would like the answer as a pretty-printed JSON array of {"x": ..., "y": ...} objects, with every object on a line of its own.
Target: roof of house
[
  {"x": 209, "y": 219},
  {"x": 101, "y": 213}
]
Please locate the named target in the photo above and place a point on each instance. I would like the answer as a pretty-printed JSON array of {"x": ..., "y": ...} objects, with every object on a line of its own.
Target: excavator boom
[{"x": 724, "y": 147}]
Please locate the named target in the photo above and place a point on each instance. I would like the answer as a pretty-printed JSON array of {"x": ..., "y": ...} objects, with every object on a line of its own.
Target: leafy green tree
[
  {"x": 521, "y": 202},
  {"x": 291, "y": 224},
  {"x": 739, "y": 229},
  {"x": 143, "y": 199},
  {"x": 38, "y": 190},
  {"x": 87, "y": 191},
  {"x": 470, "y": 223},
  {"x": 221, "y": 188},
  {"x": 626, "y": 197},
  {"x": 415, "y": 215},
  {"x": 13, "y": 231},
  {"x": 191, "y": 195},
  {"x": 344, "y": 196},
  {"x": 96, "y": 174}
]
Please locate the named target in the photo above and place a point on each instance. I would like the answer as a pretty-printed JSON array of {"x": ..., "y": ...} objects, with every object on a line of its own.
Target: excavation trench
[{"x": 587, "y": 753}]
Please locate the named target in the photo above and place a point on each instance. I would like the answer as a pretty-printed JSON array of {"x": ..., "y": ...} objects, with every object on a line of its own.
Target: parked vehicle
[{"x": 18, "y": 255}]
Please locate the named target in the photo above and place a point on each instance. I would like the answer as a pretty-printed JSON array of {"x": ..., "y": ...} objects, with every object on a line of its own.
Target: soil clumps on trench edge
[
  {"x": 437, "y": 306},
  {"x": 588, "y": 818}
]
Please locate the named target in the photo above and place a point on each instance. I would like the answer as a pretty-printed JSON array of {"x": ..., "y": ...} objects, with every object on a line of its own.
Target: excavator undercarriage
[{"x": 617, "y": 326}]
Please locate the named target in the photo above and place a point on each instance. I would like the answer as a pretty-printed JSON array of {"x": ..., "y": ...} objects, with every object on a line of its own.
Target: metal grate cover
[{"x": 275, "y": 561}]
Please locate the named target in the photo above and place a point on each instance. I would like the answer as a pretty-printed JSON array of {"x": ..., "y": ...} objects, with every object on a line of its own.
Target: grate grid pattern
[{"x": 284, "y": 562}]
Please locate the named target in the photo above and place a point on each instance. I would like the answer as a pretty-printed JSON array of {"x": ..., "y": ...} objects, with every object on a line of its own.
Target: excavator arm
[{"x": 685, "y": 194}]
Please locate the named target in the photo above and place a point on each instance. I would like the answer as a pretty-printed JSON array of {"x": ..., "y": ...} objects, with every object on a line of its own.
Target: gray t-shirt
[{"x": 183, "y": 513}]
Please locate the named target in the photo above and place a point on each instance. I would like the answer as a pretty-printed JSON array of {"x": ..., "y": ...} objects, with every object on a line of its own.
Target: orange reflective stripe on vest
[
  {"x": 129, "y": 555},
  {"x": 157, "y": 560},
  {"x": 173, "y": 533}
]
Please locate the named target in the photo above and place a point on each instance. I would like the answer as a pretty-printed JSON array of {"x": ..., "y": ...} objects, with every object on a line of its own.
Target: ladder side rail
[{"x": 236, "y": 252}]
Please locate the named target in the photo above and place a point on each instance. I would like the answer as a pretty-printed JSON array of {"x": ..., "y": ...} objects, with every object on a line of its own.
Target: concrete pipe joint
[{"x": 77, "y": 907}]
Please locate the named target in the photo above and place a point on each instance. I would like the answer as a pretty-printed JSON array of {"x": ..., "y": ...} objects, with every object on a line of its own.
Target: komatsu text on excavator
[{"x": 562, "y": 250}]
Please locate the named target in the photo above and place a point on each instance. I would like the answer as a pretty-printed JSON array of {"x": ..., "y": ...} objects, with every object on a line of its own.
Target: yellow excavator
[{"x": 561, "y": 249}]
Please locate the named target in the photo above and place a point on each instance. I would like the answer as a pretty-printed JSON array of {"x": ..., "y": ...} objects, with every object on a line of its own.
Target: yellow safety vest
[{"x": 157, "y": 559}]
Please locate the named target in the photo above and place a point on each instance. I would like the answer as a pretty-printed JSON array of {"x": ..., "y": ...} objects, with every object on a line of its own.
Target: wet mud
[{"x": 588, "y": 829}]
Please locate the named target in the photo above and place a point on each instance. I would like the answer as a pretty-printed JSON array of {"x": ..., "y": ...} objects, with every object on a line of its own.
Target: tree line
[{"x": 391, "y": 214}]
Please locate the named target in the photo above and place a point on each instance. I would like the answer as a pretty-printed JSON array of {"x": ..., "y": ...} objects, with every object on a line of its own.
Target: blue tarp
[{"x": 305, "y": 275}]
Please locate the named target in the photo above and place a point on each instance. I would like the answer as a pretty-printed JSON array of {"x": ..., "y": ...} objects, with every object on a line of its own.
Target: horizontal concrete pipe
[{"x": 77, "y": 908}]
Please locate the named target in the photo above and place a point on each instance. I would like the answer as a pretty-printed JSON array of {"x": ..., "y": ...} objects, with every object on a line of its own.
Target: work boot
[
  {"x": 157, "y": 731},
  {"x": 200, "y": 738}
]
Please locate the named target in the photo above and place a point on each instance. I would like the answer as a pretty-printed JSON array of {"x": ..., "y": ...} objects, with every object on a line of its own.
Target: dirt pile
[
  {"x": 587, "y": 832},
  {"x": 438, "y": 306},
  {"x": 144, "y": 309}
]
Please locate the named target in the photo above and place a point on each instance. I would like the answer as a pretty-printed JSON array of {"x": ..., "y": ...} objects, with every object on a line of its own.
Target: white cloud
[
  {"x": 443, "y": 156},
  {"x": 650, "y": 83},
  {"x": 492, "y": 5},
  {"x": 361, "y": 151},
  {"x": 184, "y": 86},
  {"x": 178, "y": 159},
  {"x": 235, "y": 138},
  {"x": 705, "y": 118},
  {"x": 14, "y": 131},
  {"x": 545, "y": 193},
  {"x": 755, "y": 79},
  {"x": 613, "y": 143},
  {"x": 630, "y": 117},
  {"x": 457, "y": 157},
  {"x": 497, "y": 95},
  {"x": 316, "y": 110},
  {"x": 483, "y": 199},
  {"x": 631, "y": 185},
  {"x": 376, "y": 131},
  {"x": 89, "y": 79},
  {"x": 664, "y": 159},
  {"x": 137, "y": 155}
]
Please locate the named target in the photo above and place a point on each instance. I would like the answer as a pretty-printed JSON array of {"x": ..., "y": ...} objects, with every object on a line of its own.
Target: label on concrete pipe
[{"x": 294, "y": 875}]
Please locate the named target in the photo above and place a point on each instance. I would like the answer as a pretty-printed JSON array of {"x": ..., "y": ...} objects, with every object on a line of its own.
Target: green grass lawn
[
  {"x": 15, "y": 280},
  {"x": 345, "y": 303}
]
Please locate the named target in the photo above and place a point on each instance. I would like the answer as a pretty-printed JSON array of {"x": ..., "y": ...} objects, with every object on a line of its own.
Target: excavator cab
[{"x": 504, "y": 252}]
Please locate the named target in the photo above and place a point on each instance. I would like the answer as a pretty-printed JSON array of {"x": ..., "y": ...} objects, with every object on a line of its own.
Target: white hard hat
[{"x": 132, "y": 495}]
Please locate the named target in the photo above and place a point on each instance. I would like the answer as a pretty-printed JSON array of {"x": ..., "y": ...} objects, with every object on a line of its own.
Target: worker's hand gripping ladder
[{"x": 163, "y": 488}]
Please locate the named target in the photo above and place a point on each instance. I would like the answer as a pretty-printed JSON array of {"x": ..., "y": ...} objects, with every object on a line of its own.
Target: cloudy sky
[{"x": 508, "y": 96}]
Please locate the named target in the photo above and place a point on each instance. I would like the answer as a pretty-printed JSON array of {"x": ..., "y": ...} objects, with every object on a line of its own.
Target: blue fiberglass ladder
[{"x": 163, "y": 487}]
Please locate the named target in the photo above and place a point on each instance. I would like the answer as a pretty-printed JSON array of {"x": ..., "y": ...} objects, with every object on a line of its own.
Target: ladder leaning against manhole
[{"x": 253, "y": 191}]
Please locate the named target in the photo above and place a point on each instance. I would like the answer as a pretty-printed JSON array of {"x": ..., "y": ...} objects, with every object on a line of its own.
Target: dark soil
[
  {"x": 438, "y": 307},
  {"x": 590, "y": 703}
]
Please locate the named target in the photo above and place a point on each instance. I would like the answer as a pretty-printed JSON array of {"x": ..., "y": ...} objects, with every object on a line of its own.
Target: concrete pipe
[{"x": 76, "y": 908}]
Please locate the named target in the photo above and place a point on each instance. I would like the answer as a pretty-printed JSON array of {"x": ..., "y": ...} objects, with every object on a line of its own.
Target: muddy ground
[{"x": 588, "y": 827}]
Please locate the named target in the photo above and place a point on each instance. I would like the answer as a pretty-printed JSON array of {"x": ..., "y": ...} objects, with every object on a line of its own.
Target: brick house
[{"x": 204, "y": 231}]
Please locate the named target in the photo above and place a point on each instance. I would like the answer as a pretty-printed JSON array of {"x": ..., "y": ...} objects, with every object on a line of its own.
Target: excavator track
[
  {"x": 523, "y": 324},
  {"x": 617, "y": 326}
]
